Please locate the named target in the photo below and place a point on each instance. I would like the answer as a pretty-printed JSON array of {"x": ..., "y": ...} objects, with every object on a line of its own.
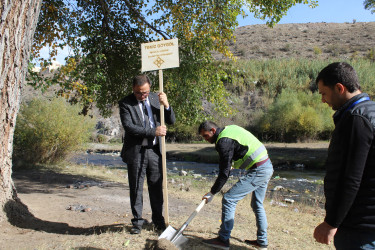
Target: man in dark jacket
[
  {"x": 238, "y": 146},
  {"x": 140, "y": 117},
  {"x": 349, "y": 184}
]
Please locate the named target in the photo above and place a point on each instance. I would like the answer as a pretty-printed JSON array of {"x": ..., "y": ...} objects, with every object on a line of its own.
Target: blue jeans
[
  {"x": 349, "y": 239},
  {"x": 256, "y": 181}
]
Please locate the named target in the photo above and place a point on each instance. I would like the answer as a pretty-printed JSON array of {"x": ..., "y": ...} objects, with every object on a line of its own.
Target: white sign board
[{"x": 160, "y": 55}]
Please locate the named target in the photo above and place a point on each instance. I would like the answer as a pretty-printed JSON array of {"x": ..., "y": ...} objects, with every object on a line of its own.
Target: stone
[
  {"x": 277, "y": 188},
  {"x": 183, "y": 173},
  {"x": 87, "y": 209}
]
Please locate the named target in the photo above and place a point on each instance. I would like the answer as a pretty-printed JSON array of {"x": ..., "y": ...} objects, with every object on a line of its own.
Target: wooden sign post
[{"x": 158, "y": 56}]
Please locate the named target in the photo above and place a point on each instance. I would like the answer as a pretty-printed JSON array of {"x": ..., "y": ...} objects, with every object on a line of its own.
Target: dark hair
[
  {"x": 207, "y": 126},
  {"x": 140, "y": 80},
  {"x": 339, "y": 72}
]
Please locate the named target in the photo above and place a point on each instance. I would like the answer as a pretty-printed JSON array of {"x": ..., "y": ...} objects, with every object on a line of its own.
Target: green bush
[
  {"x": 317, "y": 50},
  {"x": 295, "y": 116},
  {"x": 181, "y": 133},
  {"x": 47, "y": 130}
]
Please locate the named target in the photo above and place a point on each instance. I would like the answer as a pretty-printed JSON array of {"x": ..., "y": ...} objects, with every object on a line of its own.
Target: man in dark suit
[{"x": 140, "y": 117}]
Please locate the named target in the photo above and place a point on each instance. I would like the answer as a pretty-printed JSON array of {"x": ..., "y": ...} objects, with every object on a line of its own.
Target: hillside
[{"x": 307, "y": 40}]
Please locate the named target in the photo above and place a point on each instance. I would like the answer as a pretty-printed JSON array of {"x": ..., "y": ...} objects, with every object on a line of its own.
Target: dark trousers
[
  {"x": 351, "y": 239},
  {"x": 150, "y": 165}
]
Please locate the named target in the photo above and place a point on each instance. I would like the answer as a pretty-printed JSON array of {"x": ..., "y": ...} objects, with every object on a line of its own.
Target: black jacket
[
  {"x": 349, "y": 184},
  {"x": 132, "y": 121},
  {"x": 229, "y": 150}
]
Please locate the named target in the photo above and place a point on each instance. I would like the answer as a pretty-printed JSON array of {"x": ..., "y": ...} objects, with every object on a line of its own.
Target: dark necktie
[
  {"x": 147, "y": 122},
  {"x": 145, "y": 114}
]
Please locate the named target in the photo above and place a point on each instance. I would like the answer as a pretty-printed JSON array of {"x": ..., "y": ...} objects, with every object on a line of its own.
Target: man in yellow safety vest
[{"x": 240, "y": 149}]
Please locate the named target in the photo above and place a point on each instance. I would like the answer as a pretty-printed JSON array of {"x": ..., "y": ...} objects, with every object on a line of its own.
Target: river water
[
  {"x": 114, "y": 160},
  {"x": 287, "y": 183}
]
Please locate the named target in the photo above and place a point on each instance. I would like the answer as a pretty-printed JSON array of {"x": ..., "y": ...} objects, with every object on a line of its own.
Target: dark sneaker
[
  {"x": 217, "y": 243},
  {"x": 255, "y": 244}
]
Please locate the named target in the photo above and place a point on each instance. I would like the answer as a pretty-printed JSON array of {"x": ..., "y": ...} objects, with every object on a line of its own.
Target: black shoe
[
  {"x": 160, "y": 227},
  {"x": 217, "y": 243},
  {"x": 254, "y": 243},
  {"x": 135, "y": 230}
]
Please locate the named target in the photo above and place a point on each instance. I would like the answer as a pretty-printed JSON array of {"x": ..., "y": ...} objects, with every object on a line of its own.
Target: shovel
[{"x": 175, "y": 236}]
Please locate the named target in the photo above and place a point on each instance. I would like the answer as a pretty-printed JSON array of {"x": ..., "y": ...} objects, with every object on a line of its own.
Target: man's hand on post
[
  {"x": 208, "y": 197},
  {"x": 161, "y": 131},
  {"x": 163, "y": 99},
  {"x": 324, "y": 233}
]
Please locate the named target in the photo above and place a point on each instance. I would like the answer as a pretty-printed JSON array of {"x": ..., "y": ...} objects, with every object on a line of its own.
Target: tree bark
[{"x": 18, "y": 20}]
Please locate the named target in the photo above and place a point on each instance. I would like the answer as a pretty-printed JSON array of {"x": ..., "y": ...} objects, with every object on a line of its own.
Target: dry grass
[{"x": 289, "y": 227}]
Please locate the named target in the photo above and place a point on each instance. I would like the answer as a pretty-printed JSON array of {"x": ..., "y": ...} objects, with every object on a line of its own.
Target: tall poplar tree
[{"x": 18, "y": 20}]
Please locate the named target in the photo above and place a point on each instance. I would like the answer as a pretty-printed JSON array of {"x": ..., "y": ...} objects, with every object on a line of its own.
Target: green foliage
[
  {"x": 272, "y": 76},
  {"x": 366, "y": 74},
  {"x": 266, "y": 80},
  {"x": 183, "y": 133},
  {"x": 371, "y": 54},
  {"x": 369, "y": 5},
  {"x": 106, "y": 36},
  {"x": 47, "y": 130},
  {"x": 262, "y": 82},
  {"x": 273, "y": 12},
  {"x": 295, "y": 116}
]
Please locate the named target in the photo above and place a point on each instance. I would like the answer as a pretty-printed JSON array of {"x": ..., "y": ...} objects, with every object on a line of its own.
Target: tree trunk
[{"x": 18, "y": 19}]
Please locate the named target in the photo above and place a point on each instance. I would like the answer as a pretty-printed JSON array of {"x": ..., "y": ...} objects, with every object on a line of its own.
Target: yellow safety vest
[{"x": 257, "y": 151}]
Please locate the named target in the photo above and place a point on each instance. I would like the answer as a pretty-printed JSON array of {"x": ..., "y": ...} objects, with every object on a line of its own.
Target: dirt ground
[{"x": 69, "y": 208}]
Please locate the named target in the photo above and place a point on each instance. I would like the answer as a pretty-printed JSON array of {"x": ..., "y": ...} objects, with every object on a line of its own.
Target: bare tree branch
[{"x": 142, "y": 19}]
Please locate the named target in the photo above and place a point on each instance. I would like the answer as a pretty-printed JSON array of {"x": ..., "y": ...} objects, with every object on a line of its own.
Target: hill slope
[{"x": 308, "y": 40}]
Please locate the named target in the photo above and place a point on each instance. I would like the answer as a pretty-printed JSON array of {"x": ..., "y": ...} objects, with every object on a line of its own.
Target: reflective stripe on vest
[{"x": 256, "y": 150}]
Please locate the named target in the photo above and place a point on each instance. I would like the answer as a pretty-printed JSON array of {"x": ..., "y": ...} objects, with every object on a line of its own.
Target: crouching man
[{"x": 238, "y": 146}]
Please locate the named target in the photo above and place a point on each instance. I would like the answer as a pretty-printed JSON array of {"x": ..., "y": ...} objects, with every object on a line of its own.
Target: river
[
  {"x": 114, "y": 160},
  {"x": 286, "y": 185}
]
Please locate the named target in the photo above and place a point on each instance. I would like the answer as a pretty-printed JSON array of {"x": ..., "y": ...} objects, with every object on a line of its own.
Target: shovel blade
[{"x": 169, "y": 234}]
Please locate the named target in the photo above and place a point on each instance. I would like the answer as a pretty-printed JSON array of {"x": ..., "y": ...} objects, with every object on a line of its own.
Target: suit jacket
[{"x": 132, "y": 121}]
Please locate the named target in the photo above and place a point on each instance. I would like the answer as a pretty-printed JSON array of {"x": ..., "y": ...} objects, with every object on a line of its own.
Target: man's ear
[
  {"x": 340, "y": 87},
  {"x": 213, "y": 130}
]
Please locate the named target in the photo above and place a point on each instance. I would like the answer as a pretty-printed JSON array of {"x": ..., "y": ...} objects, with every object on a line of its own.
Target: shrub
[
  {"x": 98, "y": 138},
  {"x": 47, "y": 130},
  {"x": 287, "y": 47},
  {"x": 295, "y": 116},
  {"x": 181, "y": 133},
  {"x": 317, "y": 50},
  {"x": 371, "y": 54}
]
